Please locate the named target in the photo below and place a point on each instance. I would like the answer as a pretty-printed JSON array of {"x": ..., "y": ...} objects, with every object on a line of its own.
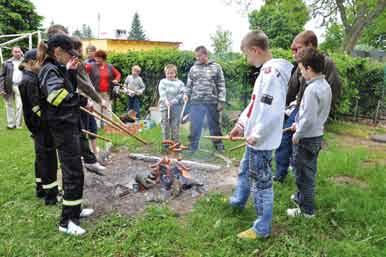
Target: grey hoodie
[
  {"x": 206, "y": 83},
  {"x": 314, "y": 109}
]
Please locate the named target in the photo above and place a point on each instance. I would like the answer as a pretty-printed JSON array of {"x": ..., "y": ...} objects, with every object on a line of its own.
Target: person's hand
[
  {"x": 131, "y": 94},
  {"x": 104, "y": 104},
  {"x": 90, "y": 106},
  {"x": 73, "y": 64},
  {"x": 116, "y": 90},
  {"x": 236, "y": 132},
  {"x": 293, "y": 127},
  {"x": 251, "y": 140},
  {"x": 115, "y": 81},
  {"x": 220, "y": 106},
  {"x": 295, "y": 140},
  {"x": 186, "y": 98}
]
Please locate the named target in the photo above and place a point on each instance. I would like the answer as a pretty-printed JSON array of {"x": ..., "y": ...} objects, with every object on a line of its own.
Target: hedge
[{"x": 361, "y": 78}]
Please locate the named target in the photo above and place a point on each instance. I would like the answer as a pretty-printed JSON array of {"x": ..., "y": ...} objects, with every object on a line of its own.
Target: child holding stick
[{"x": 171, "y": 93}]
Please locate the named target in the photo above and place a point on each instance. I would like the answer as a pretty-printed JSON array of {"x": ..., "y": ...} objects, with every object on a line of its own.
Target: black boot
[
  {"x": 51, "y": 197},
  {"x": 40, "y": 191}
]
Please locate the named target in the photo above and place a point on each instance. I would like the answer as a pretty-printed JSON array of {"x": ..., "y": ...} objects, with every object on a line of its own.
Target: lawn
[{"x": 351, "y": 217}]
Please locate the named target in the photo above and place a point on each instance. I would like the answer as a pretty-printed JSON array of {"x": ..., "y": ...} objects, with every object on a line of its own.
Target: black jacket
[
  {"x": 6, "y": 77},
  {"x": 60, "y": 104},
  {"x": 30, "y": 96}
]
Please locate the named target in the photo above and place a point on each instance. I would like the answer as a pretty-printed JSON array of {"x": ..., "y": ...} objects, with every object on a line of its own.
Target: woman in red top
[{"x": 104, "y": 77}]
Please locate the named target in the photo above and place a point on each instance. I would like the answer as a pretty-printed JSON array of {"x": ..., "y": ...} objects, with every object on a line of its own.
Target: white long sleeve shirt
[{"x": 263, "y": 117}]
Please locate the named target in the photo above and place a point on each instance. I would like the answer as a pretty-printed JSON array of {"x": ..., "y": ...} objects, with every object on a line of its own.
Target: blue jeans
[
  {"x": 284, "y": 153},
  {"x": 255, "y": 175},
  {"x": 198, "y": 112},
  {"x": 134, "y": 104}
]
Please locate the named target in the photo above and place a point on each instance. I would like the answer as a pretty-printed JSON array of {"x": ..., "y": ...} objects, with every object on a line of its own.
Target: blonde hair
[
  {"x": 136, "y": 67},
  {"x": 256, "y": 38},
  {"x": 171, "y": 67}
]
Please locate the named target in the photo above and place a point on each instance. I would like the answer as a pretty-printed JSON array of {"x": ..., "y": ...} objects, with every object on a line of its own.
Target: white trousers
[{"x": 14, "y": 108}]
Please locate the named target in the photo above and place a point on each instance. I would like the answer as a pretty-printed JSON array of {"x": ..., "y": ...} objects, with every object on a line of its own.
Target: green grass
[{"x": 350, "y": 220}]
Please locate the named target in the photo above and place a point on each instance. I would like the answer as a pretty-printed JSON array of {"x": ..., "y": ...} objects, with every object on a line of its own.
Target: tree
[
  {"x": 18, "y": 16},
  {"x": 221, "y": 41},
  {"x": 375, "y": 34},
  {"x": 334, "y": 37},
  {"x": 84, "y": 33},
  {"x": 281, "y": 20},
  {"x": 354, "y": 15},
  {"x": 136, "y": 32},
  {"x": 77, "y": 33}
]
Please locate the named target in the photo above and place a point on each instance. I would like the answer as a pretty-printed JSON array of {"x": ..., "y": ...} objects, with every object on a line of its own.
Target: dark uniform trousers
[
  {"x": 87, "y": 154},
  {"x": 46, "y": 163},
  {"x": 67, "y": 141}
]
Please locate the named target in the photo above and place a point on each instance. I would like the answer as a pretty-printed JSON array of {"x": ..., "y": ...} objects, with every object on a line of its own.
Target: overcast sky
[{"x": 188, "y": 21}]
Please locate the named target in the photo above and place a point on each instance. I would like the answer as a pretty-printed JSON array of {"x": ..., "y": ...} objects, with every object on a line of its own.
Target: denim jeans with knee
[
  {"x": 255, "y": 175},
  {"x": 284, "y": 153},
  {"x": 198, "y": 112},
  {"x": 305, "y": 161}
]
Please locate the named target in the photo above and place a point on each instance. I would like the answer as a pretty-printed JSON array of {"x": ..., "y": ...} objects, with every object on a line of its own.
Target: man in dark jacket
[
  {"x": 10, "y": 78},
  {"x": 206, "y": 91},
  {"x": 296, "y": 88}
]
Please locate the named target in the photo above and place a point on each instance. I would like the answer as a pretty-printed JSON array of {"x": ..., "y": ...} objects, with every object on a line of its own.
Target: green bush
[{"x": 361, "y": 78}]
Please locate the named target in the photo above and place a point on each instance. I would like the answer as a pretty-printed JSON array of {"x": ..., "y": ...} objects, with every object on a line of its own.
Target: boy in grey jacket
[{"x": 309, "y": 125}]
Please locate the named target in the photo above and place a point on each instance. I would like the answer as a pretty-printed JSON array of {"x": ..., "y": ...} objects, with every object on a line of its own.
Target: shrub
[{"x": 361, "y": 78}]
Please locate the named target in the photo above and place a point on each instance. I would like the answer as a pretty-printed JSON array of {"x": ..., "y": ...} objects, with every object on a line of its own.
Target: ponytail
[{"x": 42, "y": 53}]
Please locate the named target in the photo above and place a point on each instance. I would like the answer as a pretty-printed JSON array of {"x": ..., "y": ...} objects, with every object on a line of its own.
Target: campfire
[{"x": 170, "y": 174}]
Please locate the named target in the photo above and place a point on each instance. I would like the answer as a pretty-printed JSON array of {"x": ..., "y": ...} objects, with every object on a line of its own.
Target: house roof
[{"x": 139, "y": 41}]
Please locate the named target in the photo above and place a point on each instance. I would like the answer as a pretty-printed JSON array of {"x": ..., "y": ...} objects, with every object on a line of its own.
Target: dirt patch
[
  {"x": 108, "y": 193},
  {"x": 352, "y": 141},
  {"x": 351, "y": 181}
]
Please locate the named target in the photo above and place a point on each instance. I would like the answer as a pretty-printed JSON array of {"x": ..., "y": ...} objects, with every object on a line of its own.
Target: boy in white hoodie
[{"x": 260, "y": 123}]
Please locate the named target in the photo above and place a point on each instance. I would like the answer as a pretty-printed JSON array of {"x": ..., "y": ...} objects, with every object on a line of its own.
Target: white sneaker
[
  {"x": 72, "y": 229},
  {"x": 95, "y": 167},
  {"x": 296, "y": 212},
  {"x": 86, "y": 212}
]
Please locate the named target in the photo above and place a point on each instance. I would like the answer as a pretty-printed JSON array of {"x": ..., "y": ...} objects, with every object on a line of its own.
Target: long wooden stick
[
  {"x": 112, "y": 124},
  {"x": 237, "y": 147},
  {"x": 122, "y": 128},
  {"x": 287, "y": 129},
  {"x": 244, "y": 144},
  {"x": 95, "y": 135},
  {"x": 183, "y": 110},
  {"x": 99, "y": 118},
  {"x": 168, "y": 112},
  {"x": 225, "y": 138},
  {"x": 116, "y": 117}
]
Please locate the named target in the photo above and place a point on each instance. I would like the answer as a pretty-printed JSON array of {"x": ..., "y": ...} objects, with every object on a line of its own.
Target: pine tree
[{"x": 136, "y": 32}]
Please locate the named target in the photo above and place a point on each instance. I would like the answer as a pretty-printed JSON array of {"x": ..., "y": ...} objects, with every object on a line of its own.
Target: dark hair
[
  {"x": 56, "y": 29},
  {"x": 308, "y": 37},
  {"x": 311, "y": 57},
  {"x": 256, "y": 38},
  {"x": 77, "y": 42},
  {"x": 201, "y": 49},
  {"x": 101, "y": 54}
]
